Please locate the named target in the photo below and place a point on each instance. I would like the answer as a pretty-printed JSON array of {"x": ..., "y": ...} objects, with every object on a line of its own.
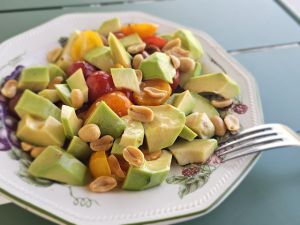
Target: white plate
[{"x": 64, "y": 204}]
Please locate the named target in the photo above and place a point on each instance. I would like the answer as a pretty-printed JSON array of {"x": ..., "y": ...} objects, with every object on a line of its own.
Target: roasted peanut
[
  {"x": 133, "y": 156},
  {"x": 103, "y": 184},
  {"x": 89, "y": 132},
  {"x": 26, "y": 147},
  {"x": 54, "y": 54},
  {"x": 9, "y": 89},
  {"x": 139, "y": 75},
  {"x": 134, "y": 49},
  {"x": 115, "y": 166},
  {"x": 35, "y": 151},
  {"x": 171, "y": 44},
  {"x": 175, "y": 61},
  {"x": 136, "y": 61},
  {"x": 77, "y": 98},
  {"x": 178, "y": 52},
  {"x": 155, "y": 92},
  {"x": 232, "y": 122},
  {"x": 220, "y": 128},
  {"x": 152, "y": 155},
  {"x": 186, "y": 64},
  {"x": 220, "y": 104},
  {"x": 103, "y": 144},
  {"x": 141, "y": 113},
  {"x": 56, "y": 80}
]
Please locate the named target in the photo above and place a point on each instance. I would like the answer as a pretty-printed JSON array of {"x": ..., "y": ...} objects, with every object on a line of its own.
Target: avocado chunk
[
  {"x": 187, "y": 134},
  {"x": 111, "y": 25},
  {"x": 125, "y": 78},
  {"x": 151, "y": 174},
  {"x": 56, "y": 71},
  {"x": 119, "y": 53},
  {"x": 167, "y": 37},
  {"x": 184, "y": 77},
  {"x": 202, "y": 105},
  {"x": 101, "y": 58},
  {"x": 200, "y": 124},
  {"x": 158, "y": 66},
  {"x": 133, "y": 134},
  {"x": 166, "y": 126},
  {"x": 108, "y": 121},
  {"x": 37, "y": 106},
  {"x": 70, "y": 121},
  {"x": 218, "y": 83},
  {"x": 50, "y": 94},
  {"x": 117, "y": 149},
  {"x": 190, "y": 42},
  {"x": 132, "y": 39},
  {"x": 64, "y": 93},
  {"x": 56, "y": 164},
  {"x": 35, "y": 78},
  {"x": 77, "y": 81},
  {"x": 41, "y": 132},
  {"x": 196, "y": 151},
  {"x": 79, "y": 149},
  {"x": 184, "y": 102}
]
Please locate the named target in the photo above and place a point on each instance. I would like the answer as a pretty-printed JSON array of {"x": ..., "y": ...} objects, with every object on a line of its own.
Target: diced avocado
[
  {"x": 79, "y": 149},
  {"x": 190, "y": 42},
  {"x": 187, "y": 134},
  {"x": 166, "y": 126},
  {"x": 125, "y": 78},
  {"x": 196, "y": 151},
  {"x": 158, "y": 66},
  {"x": 100, "y": 57},
  {"x": 167, "y": 37},
  {"x": 70, "y": 121},
  {"x": 37, "y": 106},
  {"x": 41, "y": 132},
  {"x": 56, "y": 164},
  {"x": 218, "y": 83},
  {"x": 184, "y": 77},
  {"x": 200, "y": 124},
  {"x": 117, "y": 149},
  {"x": 35, "y": 78},
  {"x": 77, "y": 81},
  {"x": 152, "y": 174},
  {"x": 111, "y": 25},
  {"x": 184, "y": 102},
  {"x": 64, "y": 93},
  {"x": 132, "y": 39},
  {"x": 133, "y": 134},
  {"x": 119, "y": 53},
  {"x": 56, "y": 71},
  {"x": 202, "y": 105},
  {"x": 65, "y": 59},
  {"x": 50, "y": 94},
  {"x": 108, "y": 121}
]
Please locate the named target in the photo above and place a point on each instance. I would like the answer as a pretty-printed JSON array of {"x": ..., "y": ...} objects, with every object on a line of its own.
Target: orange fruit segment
[
  {"x": 142, "y": 29},
  {"x": 98, "y": 164}
]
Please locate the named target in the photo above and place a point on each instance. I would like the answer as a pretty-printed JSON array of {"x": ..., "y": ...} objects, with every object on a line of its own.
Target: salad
[{"x": 116, "y": 104}]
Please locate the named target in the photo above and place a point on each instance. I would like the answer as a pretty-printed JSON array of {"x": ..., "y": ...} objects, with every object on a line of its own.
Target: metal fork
[{"x": 257, "y": 139}]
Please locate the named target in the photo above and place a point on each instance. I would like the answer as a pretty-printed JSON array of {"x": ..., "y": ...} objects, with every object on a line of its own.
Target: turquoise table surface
[{"x": 270, "y": 193}]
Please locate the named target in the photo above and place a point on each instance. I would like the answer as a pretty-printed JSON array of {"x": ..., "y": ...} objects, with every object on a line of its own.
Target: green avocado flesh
[
  {"x": 119, "y": 53},
  {"x": 79, "y": 149},
  {"x": 117, "y": 149},
  {"x": 151, "y": 174},
  {"x": 184, "y": 77},
  {"x": 64, "y": 93},
  {"x": 41, "y": 132},
  {"x": 202, "y": 105},
  {"x": 196, "y": 151},
  {"x": 77, "y": 81},
  {"x": 56, "y": 164},
  {"x": 187, "y": 134},
  {"x": 71, "y": 123},
  {"x": 100, "y": 57},
  {"x": 56, "y": 71},
  {"x": 37, "y": 106},
  {"x": 50, "y": 94},
  {"x": 133, "y": 134},
  {"x": 158, "y": 66},
  {"x": 34, "y": 78},
  {"x": 166, "y": 126},
  {"x": 217, "y": 83},
  {"x": 184, "y": 102},
  {"x": 132, "y": 39},
  {"x": 108, "y": 121},
  {"x": 111, "y": 25},
  {"x": 200, "y": 124},
  {"x": 125, "y": 78}
]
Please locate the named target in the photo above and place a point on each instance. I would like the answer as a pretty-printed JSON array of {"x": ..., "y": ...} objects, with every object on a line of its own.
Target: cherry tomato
[
  {"x": 143, "y": 98},
  {"x": 175, "y": 83},
  {"x": 128, "y": 93},
  {"x": 99, "y": 83},
  {"x": 143, "y": 29},
  {"x": 87, "y": 68},
  {"x": 98, "y": 164},
  {"x": 155, "y": 40}
]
